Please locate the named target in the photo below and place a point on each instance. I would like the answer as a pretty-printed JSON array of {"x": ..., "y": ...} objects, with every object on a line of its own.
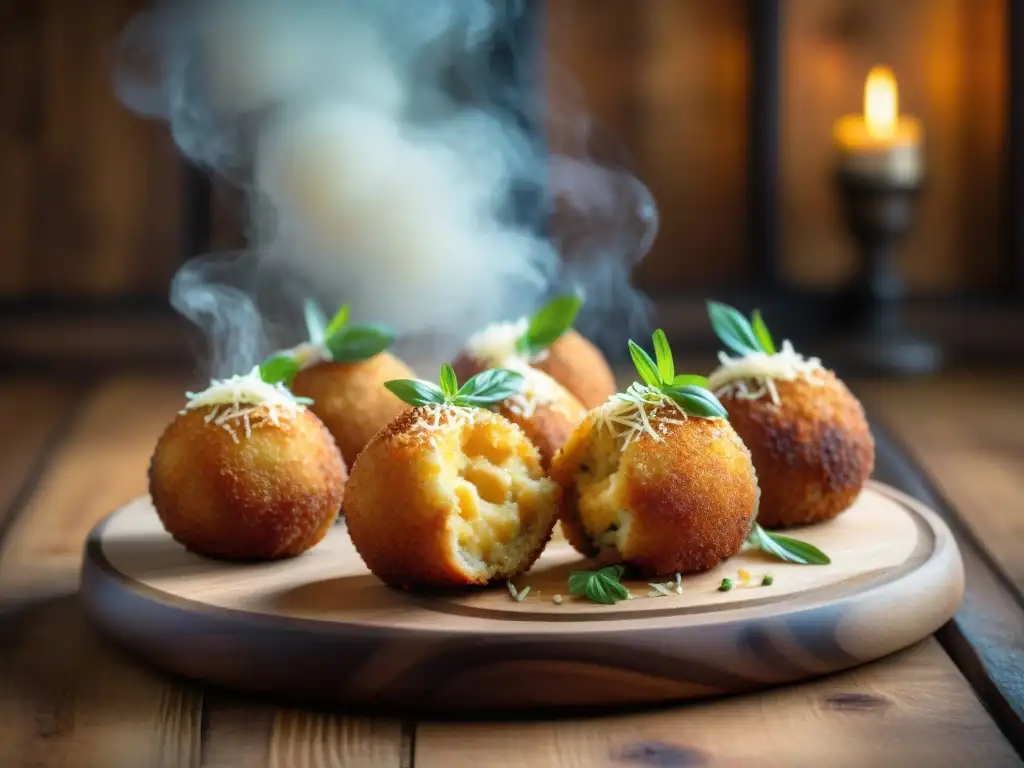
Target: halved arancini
[
  {"x": 668, "y": 493},
  {"x": 447, "y": 496}
]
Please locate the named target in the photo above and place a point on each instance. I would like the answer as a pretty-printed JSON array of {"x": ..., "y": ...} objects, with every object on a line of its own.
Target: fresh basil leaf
[
  {"x": 449, "y": 382},
  {"x": 416, "y": 392},
  {"x": 613, "y": 572},
  {"x": 279, "y": 369},
  {"x": 316, "y": 323},
  {"x": 578, "y": 582},
  {"x": 764, "y": 337},
  {"x": 488, "y": 387},
  {"x": 601, "y": 586},
  {"x": 597, "y": 592},
  {"x": 787, "y": 548},
  {"x": 691, "y": 379},
  {"x": 644, "y": 365},
  {"x": 337, "y": 322},
  {"x": 732, "y": 329},
  {"x": 663, "y": 354},
  {"x": 549, "y": 324},
  {"x": 696, "y": 401},
  {"x": 358, "y": 342}
]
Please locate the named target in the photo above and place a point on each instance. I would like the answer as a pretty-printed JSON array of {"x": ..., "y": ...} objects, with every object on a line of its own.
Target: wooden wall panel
[
  {"x": 948, "y": 56},
  {"x": 90, "y": 193},
  {"x": 667, "y": 79}
]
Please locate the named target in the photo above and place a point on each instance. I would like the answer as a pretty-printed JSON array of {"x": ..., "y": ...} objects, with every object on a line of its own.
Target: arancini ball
[
  {"x": 575, "y": 363},
  {"x": 545, "y": 411},
  {"x": 448, "y": 496},
  {"x": 246, "y": 473},
  {"x": 548, "y": 342},
  {"x": 806, "y": 431},
  {"x": 813, "y": 449},
  {"x": 350, "y": 398},
  {"x": 646, "y": 485}
]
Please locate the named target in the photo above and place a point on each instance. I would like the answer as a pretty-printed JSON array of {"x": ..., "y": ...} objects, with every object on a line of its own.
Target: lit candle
[{"x": 881, "y": 145}]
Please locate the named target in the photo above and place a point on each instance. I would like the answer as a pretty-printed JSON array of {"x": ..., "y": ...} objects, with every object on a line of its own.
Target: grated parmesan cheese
[
  {"x": 753, "y": 376},
  {"x": 309, "y": 354},
  {"x": 537, "y": 390},
  {"x": 244, "y": 402},
  {"x": 637, "y": 411},
  {"x": 429, "y": 417},
  {"x": 495, "y": 345}
]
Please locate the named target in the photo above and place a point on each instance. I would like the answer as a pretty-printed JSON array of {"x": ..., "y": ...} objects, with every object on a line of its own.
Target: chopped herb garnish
[
  {"x": 786, "y": 548},
  {"x": 725, "y": 586},
  {"x": 689, "y": 391},
  {"x": 742, "y": 336},
  {"x": 488, "y": 387},
  {"x": 660, "y": 589},
  {"x": 549, "y": 324},
  {"x": 767, "y": 580},
  {"x": 517, "y": 595},
  {"x": 601, "y": 586},
  {"x": 337, "y": 341}
]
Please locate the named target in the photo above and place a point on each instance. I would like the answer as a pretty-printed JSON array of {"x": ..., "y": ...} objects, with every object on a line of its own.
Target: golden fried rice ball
[
  {"x": 447, "y": 497},
  {"x": 813, "y": 451},
  {"x": 580, "y": 367},
  {"x": 572, "y": 361},
  {"x": 545, "y": 411},
  {"x": 351, "y": 399},
  {"x": 679, "y": 504},
  {"x": 274, "y": 493}
]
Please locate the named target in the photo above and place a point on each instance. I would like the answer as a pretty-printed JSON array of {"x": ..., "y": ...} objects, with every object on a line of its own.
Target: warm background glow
[{"x": 880, "y": 103}]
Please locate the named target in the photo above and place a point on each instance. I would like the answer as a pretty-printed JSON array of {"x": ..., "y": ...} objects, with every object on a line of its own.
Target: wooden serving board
[{"x": 321, "y": 627}]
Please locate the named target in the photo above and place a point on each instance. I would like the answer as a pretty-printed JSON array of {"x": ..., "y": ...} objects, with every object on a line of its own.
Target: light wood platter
[{"x": 321, "y": 627}]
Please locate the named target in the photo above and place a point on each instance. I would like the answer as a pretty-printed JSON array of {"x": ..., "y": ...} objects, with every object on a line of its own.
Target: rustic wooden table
[{"x": 73, "y": 450}]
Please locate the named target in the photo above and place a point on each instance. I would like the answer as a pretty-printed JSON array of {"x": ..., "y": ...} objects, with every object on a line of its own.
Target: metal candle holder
[{"x": 879, "y": 212}]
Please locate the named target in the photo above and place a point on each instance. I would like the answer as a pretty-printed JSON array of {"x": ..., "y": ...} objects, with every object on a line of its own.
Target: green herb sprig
[
  {"x": 344, "y": 343},
  {"x": 689, "y": 391},
  {"x": 549, "y": 324},
  {"x": 601, "y": 586},
  {"x": 742, "y": 336},
  {"x": 786, "y": 548},
  {"x": 486, "y": 388}
]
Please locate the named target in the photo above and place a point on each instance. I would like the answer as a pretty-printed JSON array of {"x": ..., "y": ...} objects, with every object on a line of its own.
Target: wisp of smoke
[{"x": 385, "y": 152}]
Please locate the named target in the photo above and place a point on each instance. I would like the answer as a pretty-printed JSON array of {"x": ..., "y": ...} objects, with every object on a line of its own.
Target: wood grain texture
[
  {"x": 68, "y": 697},
  {"x": 91, "y": 193},
  {"x": 39, "y": 408},
  {"x": 984, "y": 638},
  {"x": 349, "y": 638},
  {"x": 909, "y": 709},
  {"x": 975, "y": 454}
]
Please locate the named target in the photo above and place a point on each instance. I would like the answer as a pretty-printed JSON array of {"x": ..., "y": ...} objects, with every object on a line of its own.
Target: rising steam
[{"x": 386, "y": 155}]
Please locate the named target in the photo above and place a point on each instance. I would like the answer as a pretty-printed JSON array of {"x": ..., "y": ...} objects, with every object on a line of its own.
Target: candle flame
[{"x": 880, "y": 103}]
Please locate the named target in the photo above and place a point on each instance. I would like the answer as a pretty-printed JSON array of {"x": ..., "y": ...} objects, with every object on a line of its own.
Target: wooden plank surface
[
  {"x": 913, "y": 708},
  {"x": 68, "y": 698},
  {"x": 967, "y": 431},
  {"x": 981, "y": 506},
  {"x": 36, "y": 410}
]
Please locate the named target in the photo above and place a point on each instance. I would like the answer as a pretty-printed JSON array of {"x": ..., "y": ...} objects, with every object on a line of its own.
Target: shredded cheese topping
[
  {"x": 538, "y": 389},
  {"x": 753, "y": 376},
  {"x": 495, "y": 344},
  {"x": 245, "y": 402},
  {"x": 637, "y": 411},
  {"x": 309, "y": 354},
  {"x": 429, "y": 418}
]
